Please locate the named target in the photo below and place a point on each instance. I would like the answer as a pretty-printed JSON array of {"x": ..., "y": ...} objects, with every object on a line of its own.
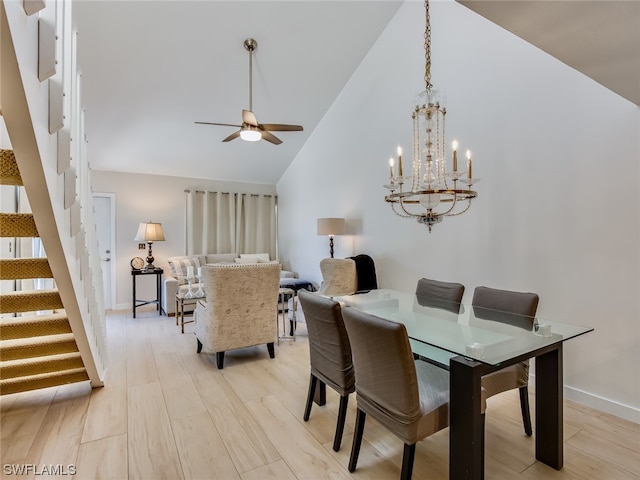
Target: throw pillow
[
  {"x": 255, "y": 257},
  {"x": 179, "y": 268}
]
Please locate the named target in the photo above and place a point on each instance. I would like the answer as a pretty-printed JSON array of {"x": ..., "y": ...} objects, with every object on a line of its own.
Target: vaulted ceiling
[{"x": 151, "y": 68}]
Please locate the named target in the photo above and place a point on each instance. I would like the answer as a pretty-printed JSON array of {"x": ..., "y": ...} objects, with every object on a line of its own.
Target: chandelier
[{"x": 430, "y": 192}]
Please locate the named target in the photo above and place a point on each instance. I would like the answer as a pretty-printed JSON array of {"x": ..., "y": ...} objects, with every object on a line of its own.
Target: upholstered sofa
[{"x": 175, "y": 273}]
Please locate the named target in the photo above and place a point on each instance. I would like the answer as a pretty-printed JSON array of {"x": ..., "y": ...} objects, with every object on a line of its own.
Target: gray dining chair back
[
  {"x": 409, "y": 398},
  {"x": 516, "y": 308},
  {"x": 444, "y": 295},
  {"x": 330, "y": 354}
]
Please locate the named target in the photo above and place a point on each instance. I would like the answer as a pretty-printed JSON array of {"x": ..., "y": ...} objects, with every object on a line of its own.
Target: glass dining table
[{"x": 471, "y": 342}]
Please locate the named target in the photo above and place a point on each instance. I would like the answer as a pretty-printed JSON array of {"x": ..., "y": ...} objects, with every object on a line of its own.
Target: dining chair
[
  {"x": 516, "y": 308},
  {"x": 330, "y": 354},
  {"x": 409, "y": 398},
  {"x": 434, "y": 293},
  {"x": 339, "y": 276}
]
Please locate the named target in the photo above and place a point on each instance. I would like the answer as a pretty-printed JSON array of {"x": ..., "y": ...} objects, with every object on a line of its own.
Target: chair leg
[
  {"x": 199, "y": 346},
  {"x": 220, "y": 360},
  {"x": 272, "y": 352},
  {"x": 526, "y": 413},
  {"x": 357, "y": 440},
  {"x": 407, "y": 461},
  {"x": 342, "y": 416},
  {"x": 312, "y": 391},
  {"x": 482, "y": 437}
]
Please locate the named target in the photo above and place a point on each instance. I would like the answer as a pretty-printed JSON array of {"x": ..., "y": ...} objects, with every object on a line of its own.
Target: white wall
[
  {"x": 558, "y": 209},
  {"x": 141, "y": 198}
]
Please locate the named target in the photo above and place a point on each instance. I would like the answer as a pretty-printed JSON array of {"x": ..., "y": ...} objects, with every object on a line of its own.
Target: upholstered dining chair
[
  {"x": 339, "y": 276},
  {"x": 239, "y": 309},
  {"x": 517, "y": 308},
  {"x": 330, "y": 354},
  {"x": 434, "y": 293},
  {"x": 409, "y": 398}
]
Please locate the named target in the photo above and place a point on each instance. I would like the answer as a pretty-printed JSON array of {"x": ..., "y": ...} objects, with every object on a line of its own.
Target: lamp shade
[
  {"x": 149, "y": 232},
  {"x": 331, "y": 226}
]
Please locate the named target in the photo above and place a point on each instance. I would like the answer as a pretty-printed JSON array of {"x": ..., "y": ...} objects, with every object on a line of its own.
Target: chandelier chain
[{"x": 427, "y": 48}]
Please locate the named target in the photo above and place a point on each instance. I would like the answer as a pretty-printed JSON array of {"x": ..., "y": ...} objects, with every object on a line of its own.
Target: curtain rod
[{"x": 186, "y": 190}]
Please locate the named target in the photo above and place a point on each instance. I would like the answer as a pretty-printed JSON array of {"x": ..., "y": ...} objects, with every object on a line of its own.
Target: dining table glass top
[{"x": 485, "y": 335}]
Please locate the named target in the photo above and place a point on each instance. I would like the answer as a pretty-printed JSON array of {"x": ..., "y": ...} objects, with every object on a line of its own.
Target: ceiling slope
[{"x": 601, "y": 39}]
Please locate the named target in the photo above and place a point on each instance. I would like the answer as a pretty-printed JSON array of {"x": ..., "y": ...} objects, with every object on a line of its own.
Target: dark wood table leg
[
  {"x": 466, "y": 432},
  {"x": 549, "y": 415},
  {"x": 159, "y": 291}
]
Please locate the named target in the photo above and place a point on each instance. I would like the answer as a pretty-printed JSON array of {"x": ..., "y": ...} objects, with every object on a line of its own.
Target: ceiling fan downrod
[{"x": 250, "y": 45}]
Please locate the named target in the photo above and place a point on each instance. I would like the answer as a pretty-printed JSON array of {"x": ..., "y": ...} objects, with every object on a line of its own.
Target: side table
[
  {"x": 135, "y": 273},
  {"x": 181, "y": 299},
  {"x": 283, "y": 296}
]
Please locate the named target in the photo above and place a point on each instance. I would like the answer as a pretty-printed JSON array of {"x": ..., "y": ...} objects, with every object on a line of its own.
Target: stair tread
[
  {"x": 43, "y": 375},
  {"x": 20, "y": 225},
  {"x": 9, "y": 172},
  {"x": 35, "y": 341},
  {"x": 16, "y": 385},
  {"x": 36, "y": 360},
  {"x": 24, "y": 319},
  {"x": 25, "y": 268},
  {"x": 24, "y": 293}
]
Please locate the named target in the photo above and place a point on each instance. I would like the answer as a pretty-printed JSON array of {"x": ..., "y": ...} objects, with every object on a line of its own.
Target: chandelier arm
[
  {"x": 461, "y": 211},
  {"x": 400, "y": 214}
]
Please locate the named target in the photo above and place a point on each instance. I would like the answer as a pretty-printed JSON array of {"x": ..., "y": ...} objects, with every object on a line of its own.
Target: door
[{"x": 104, "y": 215}]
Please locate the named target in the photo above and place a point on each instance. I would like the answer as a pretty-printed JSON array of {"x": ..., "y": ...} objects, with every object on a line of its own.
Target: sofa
[{"x": 175, "y": 274}]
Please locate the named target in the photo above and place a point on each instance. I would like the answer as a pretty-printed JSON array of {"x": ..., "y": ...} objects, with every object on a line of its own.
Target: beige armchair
[{"x": 239, "y": 308}]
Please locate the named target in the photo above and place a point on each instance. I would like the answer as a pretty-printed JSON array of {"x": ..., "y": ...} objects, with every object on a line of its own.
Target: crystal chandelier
[{"x": 430, "y": 192}]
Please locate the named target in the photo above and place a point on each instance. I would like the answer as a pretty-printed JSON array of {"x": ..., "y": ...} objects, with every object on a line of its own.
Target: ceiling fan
[{"x": 250, "y": 129}]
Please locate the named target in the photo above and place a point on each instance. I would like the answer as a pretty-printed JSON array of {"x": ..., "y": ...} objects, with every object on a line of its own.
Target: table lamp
[
  {"x": 331, "y": 227},
  {"x": 150, "y": 232}
]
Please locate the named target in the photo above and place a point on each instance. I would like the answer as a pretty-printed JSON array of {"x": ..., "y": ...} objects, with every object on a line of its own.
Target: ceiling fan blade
[
  {"x": 232, "y": 136},
  {"x": 221, "y": 124},
  {"x": 249, "y": 118},
  {"x": 279, "y": 127},
  {"x": 270, "y": 138}
]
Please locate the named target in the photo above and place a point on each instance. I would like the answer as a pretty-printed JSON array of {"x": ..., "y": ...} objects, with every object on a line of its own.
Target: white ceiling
[{"x": 151, "y": 68}]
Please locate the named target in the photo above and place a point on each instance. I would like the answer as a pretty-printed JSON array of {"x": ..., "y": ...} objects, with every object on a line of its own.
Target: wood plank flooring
[{"x": 167, "y": 412}]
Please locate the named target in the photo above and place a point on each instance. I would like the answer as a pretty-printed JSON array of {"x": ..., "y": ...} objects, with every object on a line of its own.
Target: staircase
[{"x": 36, "y": 351}]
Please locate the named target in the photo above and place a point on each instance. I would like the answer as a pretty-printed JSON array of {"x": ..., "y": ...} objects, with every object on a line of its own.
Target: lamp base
[
  {"x": 150, "y": 259},
  {"x": 331, "y": 245}
]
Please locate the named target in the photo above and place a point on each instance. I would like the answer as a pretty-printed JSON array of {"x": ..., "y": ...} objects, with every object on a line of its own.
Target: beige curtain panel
[{"x": 219, "y": 222}]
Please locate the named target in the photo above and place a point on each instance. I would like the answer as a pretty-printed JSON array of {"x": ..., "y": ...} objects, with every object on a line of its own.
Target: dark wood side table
[{"x": 153, "y": 271}]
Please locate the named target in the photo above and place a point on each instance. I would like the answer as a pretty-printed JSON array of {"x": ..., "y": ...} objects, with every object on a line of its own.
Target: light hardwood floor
[{"x": 167, "y": 412}]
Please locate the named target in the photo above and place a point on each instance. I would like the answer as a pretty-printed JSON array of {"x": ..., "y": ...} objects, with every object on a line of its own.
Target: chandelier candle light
[{"x": 430, "y": 192}]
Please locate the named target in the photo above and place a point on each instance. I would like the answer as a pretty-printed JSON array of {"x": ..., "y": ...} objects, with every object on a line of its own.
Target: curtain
[{"x": 230, "y": 223}]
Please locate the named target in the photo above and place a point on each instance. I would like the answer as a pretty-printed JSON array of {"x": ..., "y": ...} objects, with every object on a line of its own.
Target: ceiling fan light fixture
[{"x": 250, "y": 134}]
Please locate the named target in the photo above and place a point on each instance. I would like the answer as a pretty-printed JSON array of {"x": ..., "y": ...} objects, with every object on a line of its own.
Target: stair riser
[
  {"x": 36, "y": 367},
  {"x": 32, "y": 351}
]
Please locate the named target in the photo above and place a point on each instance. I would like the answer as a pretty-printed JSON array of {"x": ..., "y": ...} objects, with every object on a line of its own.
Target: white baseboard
[
  {"x": 604, "y": 404},
  {"x": 599, "y": 403}
]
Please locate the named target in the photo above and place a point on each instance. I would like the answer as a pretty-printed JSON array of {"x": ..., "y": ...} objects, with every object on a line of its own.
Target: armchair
[{"x": 239, "y": 308}]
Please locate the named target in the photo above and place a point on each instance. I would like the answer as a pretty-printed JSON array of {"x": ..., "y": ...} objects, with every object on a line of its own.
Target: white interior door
[{"x": 104, "y": 214}]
